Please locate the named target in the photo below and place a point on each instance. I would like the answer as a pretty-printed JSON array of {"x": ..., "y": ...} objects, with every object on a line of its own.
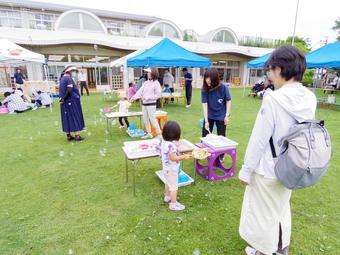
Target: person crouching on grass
[{"x": 171, "y": 158}]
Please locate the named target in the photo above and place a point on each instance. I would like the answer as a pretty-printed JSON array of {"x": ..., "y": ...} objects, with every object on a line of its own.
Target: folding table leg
[
  {"x": 126, "y": 169},
  {"x": 134, "y": 177},
  {"x": 195, "y": 162}
]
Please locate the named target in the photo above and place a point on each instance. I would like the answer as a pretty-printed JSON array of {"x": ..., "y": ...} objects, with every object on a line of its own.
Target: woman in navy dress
[{"x": 71, "y": 113}]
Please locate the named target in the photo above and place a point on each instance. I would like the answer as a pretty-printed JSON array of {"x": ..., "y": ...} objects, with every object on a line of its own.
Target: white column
[
  {"x": 197, "y": 81},
  {"x": 244, "y": 73}
]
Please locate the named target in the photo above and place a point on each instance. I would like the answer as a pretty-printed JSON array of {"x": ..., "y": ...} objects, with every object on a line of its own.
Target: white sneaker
[
  {"x": 188, "y": 106},
  {"x": 34, "y": 108},
  {"x": 147, "y": 136},
  {"x": 121, "y": 127},
  {"x": 176, "y": 206},
  {"x": 167, "y": 199},
  {"x": 43, "y": 106},
  {"x": 250, "y": 251}
]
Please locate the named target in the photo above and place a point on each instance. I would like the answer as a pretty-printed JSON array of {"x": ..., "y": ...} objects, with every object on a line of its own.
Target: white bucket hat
[{"x": 70, "y": 68}]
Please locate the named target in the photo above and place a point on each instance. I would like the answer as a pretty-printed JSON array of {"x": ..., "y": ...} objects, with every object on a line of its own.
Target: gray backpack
[{"x": 306, "y": 156}]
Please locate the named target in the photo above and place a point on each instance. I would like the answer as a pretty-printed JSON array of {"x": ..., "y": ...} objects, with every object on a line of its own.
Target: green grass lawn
[{"x": 51, "y": 204}]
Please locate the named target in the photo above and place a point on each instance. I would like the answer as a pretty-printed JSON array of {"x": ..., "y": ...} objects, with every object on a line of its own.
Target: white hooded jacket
[{"x": 280, "y": 109}]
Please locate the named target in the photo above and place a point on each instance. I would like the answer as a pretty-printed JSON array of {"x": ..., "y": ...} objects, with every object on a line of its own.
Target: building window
[
  {"x": 80, "y": 20},
  {"x": 115, "y": 27},
  {"x": 70, "y": 21},
  {"x": 57, "y": 58},
  {"x": 163, "y": 30},
  {"x": 228, "y": 70},
  {"x": 224, "y": 36},
  {"x": 169, "y": 31},
  {"x": 90, "y": 24},
  {"x": 10, "y": 19},
  {"x": 157, "y": 30},
  {"x": 42, "y": 21},
  {"x": 136, "y": 29}
]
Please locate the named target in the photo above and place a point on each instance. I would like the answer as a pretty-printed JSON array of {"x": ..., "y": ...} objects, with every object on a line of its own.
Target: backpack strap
[{"x": 272, "y": 148}]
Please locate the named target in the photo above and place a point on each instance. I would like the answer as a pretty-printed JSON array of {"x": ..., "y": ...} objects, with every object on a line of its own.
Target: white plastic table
[{"x": 185, "y": 146}]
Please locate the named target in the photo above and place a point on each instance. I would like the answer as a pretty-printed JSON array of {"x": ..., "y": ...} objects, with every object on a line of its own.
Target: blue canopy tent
[
  {"x": 327, "y": 56},
  {"x": 166, "y": 53},
  {"x": 258, "y": 62}
]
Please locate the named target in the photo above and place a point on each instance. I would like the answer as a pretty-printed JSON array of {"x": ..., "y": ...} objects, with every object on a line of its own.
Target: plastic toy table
[
  {"x": 214, "y": 163},
  {"x": 135, "y": 151},
  {"x": 161, "y": 120}
]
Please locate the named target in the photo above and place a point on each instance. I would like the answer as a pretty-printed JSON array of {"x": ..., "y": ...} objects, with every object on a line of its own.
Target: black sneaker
[{"x": 69, "y": 137}]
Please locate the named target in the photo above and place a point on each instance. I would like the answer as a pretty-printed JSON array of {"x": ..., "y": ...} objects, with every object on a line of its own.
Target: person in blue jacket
[{"x": 188, "y": 86}]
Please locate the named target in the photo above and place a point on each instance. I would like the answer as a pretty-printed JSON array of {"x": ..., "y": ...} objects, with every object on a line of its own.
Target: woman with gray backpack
[{"x": 288, "y": 149}]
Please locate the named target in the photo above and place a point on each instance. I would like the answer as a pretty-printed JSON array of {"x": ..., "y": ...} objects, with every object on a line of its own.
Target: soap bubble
[
  {"x": 196, "y": 252},
  {"x": 102, "y": 153}
]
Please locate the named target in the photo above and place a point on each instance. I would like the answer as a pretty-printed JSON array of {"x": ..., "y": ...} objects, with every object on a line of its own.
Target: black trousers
[
  {"x": 82, "y": 86},
  {"x": 221, "y": 128},
  {"x": 172, "y": 91},
  {"x": 188, "y": 93},
  {"x": 126, "y": 121}
]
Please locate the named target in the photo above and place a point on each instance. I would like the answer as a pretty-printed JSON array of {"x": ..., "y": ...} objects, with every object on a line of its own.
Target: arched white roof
[
  {"x": 80, "y": 20},
  {"x": 162, "y": 28},
  {"x": 222, "y": 34}
]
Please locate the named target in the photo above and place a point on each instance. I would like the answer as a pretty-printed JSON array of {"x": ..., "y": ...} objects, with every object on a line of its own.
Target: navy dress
[{"x": 71, "y": 113}]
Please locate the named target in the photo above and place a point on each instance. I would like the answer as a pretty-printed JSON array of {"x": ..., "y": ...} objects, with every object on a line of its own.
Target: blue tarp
[
  {"x": 166, "y": 53},
  {"x": 258, "y": 62},
  {"x": 327, "y": 56}
]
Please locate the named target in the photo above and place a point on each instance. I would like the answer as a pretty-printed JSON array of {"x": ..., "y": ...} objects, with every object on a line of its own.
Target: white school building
[{"x": 91, "y": 39}]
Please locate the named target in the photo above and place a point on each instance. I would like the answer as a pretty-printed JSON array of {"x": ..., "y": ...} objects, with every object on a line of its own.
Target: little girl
[
  {"x": 171, "y": 158},
  {"x": 124, "y": 105}
]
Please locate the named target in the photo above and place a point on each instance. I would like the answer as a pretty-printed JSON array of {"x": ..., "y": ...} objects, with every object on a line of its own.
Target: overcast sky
[{"x": 265, "y": 18}]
